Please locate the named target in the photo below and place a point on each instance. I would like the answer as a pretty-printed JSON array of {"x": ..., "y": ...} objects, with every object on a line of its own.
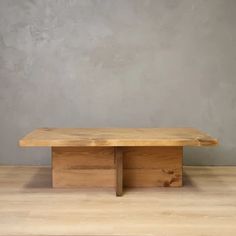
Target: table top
[{"x": 48, "y": 137}]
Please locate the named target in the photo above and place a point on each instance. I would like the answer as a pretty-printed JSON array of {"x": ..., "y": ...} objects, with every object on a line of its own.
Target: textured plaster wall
[{"x": 114, "y": 63}]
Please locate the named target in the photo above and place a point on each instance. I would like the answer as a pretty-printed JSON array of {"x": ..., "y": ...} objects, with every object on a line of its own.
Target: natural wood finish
[
  {"x": 83, "y": 178},
  {"x": 119, "y": 170},
  {"x": 83, "y": 157},
  {"x": 117, "y": 137},
  {"x": 206, "y": 205},
  {"x": 152, "y": 157},
  {"x": 74, "y": 167},
  {"x": 153, "y": 166},
  {"x": 152, "y": 178}
]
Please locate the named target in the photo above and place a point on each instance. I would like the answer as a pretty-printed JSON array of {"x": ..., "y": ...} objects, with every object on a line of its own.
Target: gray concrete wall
[{"x": 115, "y": 63}]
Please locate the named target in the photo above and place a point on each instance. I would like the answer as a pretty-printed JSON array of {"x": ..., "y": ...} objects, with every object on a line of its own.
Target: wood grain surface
[
  {"x": 153, "y": 166},
  {"x": 205, "y": 205},
  {"x": 119, "y": 170},
  {"x": 74, "y": 167},
  {"x": 117, "y": 137}
]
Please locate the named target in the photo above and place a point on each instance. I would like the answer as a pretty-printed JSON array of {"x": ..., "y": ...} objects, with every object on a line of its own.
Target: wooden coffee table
[{"x": 113, "y": 157}]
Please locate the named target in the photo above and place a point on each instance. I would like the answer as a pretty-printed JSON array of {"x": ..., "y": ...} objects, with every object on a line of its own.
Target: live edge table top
[{"x": 104, "y": 137}]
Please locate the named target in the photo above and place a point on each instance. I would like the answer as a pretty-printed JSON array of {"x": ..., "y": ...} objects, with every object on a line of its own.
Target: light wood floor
[{"x": 206, "y": 205}]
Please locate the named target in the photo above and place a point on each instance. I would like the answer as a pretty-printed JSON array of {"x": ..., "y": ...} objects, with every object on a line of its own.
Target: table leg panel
[
  {"x": 74, "y": 167},
  {"x": 153, "y": 166}
]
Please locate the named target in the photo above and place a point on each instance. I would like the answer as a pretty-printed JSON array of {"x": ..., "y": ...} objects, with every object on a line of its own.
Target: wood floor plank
[{"x": 206, "y": 205}]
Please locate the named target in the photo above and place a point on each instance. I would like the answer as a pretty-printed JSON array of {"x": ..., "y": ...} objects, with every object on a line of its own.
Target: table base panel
[{"x": 74, "y": 167}]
